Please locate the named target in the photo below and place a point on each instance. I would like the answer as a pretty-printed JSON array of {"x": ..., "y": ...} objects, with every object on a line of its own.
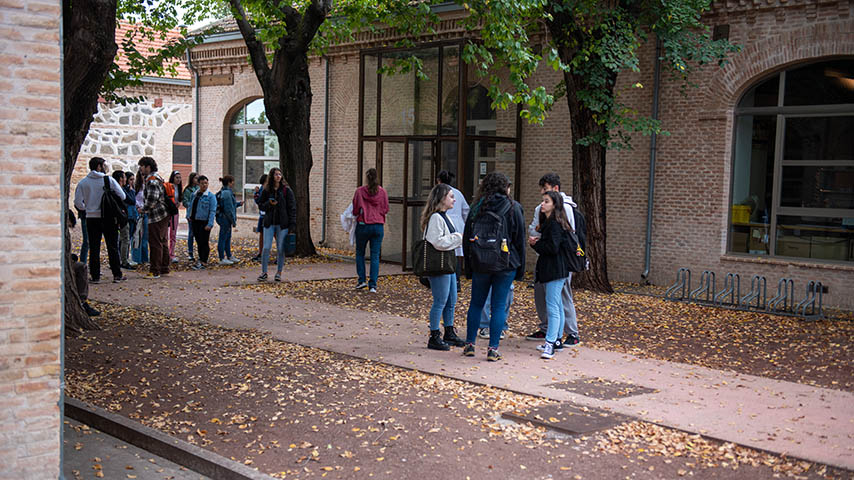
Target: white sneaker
[
  {"x": 225, "y": 261},
  {"x": 132, "y": 263},
  {"x": 373, "y": 290},
  {"x": 233, "y": 260},
  {"x": 483, "y": 333},
  {"x": 174, "y": 259}
]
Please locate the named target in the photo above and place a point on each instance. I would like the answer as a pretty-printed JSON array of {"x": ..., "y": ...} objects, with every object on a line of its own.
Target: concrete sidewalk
[{"x": 787, "y": 418}]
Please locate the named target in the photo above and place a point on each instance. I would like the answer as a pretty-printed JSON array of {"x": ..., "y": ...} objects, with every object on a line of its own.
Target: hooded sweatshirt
[
  {"x": 90, "y": 191},
  {"x": 370, "y": 209},
  {"x": 568, "y": 205}
]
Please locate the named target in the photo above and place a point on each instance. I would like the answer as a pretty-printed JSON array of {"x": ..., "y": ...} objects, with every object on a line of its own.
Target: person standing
[
  {"x": 370, "y": 205},
  {"x": 187, "y": 201},
  {"x": 256, "y": 197},
  {"x": 552, "y": 269},
  {"x": 158, "y": 217},
  {"x": 88, "y": 197},
  {"x": 458, "y": 215},
  {"x": 200, "y": 216},
  {"x": 226, "y": 218},
  {"x": 280, "y": 207},
  {"x": 133, "y": 216},
  {"x": 124, "y": 231},
  {"x": 441, "y": 233},
  {"x": 174, "y": 190},
  {"x": 550, "y": 182},
  {"x": 139, "y": 252},
  {"x": 494, "y": 247}
]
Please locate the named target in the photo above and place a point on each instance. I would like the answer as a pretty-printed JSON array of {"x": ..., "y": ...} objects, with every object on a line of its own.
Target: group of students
[{"x": 489, "y": 239}]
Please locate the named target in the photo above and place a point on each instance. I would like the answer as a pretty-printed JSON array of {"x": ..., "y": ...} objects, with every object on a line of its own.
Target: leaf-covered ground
[
  {"x": 815, "y": 353},
  {"x": 298, "y": 412}
]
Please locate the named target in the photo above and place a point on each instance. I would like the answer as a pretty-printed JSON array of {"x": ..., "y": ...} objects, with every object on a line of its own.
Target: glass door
[{"x": 421, "y": 157}]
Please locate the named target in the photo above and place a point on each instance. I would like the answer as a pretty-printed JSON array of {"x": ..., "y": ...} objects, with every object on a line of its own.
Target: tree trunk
[
  {"x": 588, "y": 182},
  {"x": 89, "y": 41},
  {"x": 289, "y": 112}
]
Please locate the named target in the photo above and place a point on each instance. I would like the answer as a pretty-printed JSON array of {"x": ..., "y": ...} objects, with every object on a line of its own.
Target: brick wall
[{"x": 30, "y": 159}]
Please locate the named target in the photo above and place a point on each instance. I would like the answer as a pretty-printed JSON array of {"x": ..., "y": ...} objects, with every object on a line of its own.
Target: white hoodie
[
  {"x": 90, "y": 191},
  {"x": 568, "y": 205}
]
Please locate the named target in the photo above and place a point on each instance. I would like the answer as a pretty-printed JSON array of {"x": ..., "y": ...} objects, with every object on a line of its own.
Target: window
[
  {"x": 182, "y": 145},
  {"x": 253, "y": 149},
  {"x": 793, "y": 165}
]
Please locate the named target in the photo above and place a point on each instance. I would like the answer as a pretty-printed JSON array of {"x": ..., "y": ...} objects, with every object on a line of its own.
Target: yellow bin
[{"x": 740, "y": 214}]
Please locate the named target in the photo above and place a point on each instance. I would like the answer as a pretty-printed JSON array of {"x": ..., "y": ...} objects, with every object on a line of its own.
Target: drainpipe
[
  {"x": 325, "y": 151},
  {"x": 652, "y": 149},
  {"x": 196, "y": 142}
]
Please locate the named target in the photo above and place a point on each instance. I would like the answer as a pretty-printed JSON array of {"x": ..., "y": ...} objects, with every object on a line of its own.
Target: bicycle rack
[
  {"x": 814, "y": 291},
  {"x": 758, "y": 292},
  {"x": 785, "y": 296},
  {"x": 756, "y": 300},
  {"x": 731, "y": 288},
  {"x": 707, "y": 287},
  {"x": 683, "y": 285}
]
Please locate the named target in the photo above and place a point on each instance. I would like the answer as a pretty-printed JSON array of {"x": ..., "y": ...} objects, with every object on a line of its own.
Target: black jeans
[
  {"x": 203, "y": 239},
  {"x": 97, "y": 227}
]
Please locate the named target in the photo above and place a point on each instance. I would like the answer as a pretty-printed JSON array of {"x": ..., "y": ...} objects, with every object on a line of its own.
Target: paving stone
[{"x": 568, "y": 418}]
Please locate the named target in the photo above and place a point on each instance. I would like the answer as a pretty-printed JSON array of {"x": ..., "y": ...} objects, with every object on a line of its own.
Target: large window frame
[
  {"x": 460, "y": 137},
  {"x": 246, "y": 189},
  {"x": 782, "y": 114}
]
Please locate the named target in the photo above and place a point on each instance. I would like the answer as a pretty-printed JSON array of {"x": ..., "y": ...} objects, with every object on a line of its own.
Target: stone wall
[{"x": 30, "y": 305}]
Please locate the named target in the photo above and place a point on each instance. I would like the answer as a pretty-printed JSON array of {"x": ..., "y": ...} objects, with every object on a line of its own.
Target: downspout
[
  {"x": 196, "y": 142},
  {"x": 652, "y": 150},
  {"x": 325, "y": 152}
]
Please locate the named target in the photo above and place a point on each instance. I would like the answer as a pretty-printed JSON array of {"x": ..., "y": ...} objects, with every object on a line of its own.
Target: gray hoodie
[
  {"x": 90, "y": 191},
  {"x": 568, "y": 205}
]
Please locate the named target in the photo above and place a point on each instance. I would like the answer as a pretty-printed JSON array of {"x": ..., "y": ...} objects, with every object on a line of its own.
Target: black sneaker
[
  {"x": 492, "y": 355},
  {"x": 119, "y": 279},
  {"x": 262, "y": 277},
  {"x": 436, "y": 342},
  {"x": 571, "y": 340},
  {"x": 537, "y": 336},
  {"x": 361, "y": 285},
  {"x": 468, "y": 351},
  {"x": 451, "y": 338},
  {"x": 558, "y": 344}
]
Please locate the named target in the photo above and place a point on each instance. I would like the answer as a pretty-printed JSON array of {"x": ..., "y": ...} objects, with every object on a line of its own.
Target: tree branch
[
  {"x": 257, "y": 52},
  {"x": 315, "y": 15}
]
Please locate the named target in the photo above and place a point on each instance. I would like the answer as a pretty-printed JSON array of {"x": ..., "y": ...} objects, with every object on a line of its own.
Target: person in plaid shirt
[{"x": 158, "y": 217}]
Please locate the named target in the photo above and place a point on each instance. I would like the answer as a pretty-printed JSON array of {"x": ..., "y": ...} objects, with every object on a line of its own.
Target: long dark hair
[
  {"x": 179, "y": 186},
  {"x": 271, "y": 179},
  {"x": 191, "y": 179},
  {"x": 492, "y": 183},
  {"x": 559, "y": 212},
  {"x": 437, "y": 195},
  {"x": 373, "y": 184},
  {"x": 140, "y": 182}
]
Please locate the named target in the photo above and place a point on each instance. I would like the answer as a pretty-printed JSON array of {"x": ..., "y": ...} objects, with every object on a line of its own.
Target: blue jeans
[
  {"x": 364, "y": 233},
  {"x": 190, "y": 238},
  {"x": 444, "y": 288},
  {"x": 223, "y": 244},
  {"x": 280, "y": 234},
  {"x": 554, "y": 306},
  {"x": 487, "y": 308},
  {"x": 84, "y": 248},
  {"x": 571, "y": 324},
  {"x": 481, "y": 283},
  {"x": 140, "y": 254}
]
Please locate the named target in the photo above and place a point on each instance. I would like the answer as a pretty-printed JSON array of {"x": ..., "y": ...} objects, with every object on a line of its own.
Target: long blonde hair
[{"x": 438, "y": 194}]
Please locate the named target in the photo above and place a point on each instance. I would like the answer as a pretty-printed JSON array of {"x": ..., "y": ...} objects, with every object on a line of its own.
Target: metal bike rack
[
  {"x": 707, "y": 288},
  {"x": 732, "y": 289},
  {"x": 814, "y": 291},
  {"x": 681, "y": 287},
  {"x": 758, "y": 293},
  {"x": 784, "y": 301}
]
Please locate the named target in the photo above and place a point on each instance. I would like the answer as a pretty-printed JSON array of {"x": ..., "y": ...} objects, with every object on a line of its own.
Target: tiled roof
[{"x": 147, "y": 47}]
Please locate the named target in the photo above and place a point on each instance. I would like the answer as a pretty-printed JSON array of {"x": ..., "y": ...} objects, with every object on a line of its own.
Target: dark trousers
[
  {"x": 158, "y": 242},
  {"x": 202, "y": 237},
  {"x": 97, "y": 227}
]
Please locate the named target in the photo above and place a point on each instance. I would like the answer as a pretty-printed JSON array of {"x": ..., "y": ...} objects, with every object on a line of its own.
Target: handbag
[
  {"x": 428, "y": 261},
  {"x": 112, "y": 207}
]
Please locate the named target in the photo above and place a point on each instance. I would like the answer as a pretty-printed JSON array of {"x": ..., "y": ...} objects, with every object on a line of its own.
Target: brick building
[
  {"x": 31, "y": 162},
  {"x": 755, "y": 178}
]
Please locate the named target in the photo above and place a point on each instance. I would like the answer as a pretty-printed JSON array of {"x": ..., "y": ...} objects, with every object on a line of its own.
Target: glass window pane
[
  {"x": 817, "y": 187},
  {"x": 448, "y": 158},
  {"x": 752, "y": 183},
  {"x": 483, "y": 157},
  {"x": 256, "y": 168},
  {"x": 814, "y": 237},
  {"x": 392, "y": 174},
  {"x": 393, "y": 234},
  {"x": 262, "y": 143},
  {"x": 182, "y": 154},
  {"x": 450, "y": 90},
  {"x": 766, "y": 94},
  {"x": 398, "y": 100},
  {"x": 239, "y": 116},
  {"x": 255, "y": 112},
  {"x": 369, "y": 104},
  {"x": 421, "y": 174},
  {"x": 235, "y": 157},
  {"x": 819, "y": 138},
  {"x": 825, "y": 83},
  {"x": 369, "y": 156},
  {"x": 184, "y": 133}
]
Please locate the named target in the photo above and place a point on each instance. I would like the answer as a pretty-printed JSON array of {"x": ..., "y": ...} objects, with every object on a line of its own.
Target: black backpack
[
  {"x": 576, "y": 256},
  {"x": 490, "y": 241},
  {"x": 112, "y": 207}
]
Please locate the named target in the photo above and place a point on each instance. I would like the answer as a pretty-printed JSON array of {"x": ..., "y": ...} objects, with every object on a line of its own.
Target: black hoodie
[{"x": 515, "y": 219}]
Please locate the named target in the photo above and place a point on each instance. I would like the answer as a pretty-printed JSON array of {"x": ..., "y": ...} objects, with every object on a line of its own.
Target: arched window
[
  {"x": 793, "y": 164},
  {"x": 253, "y": 149},
  {"x": 182, "y": 145}
]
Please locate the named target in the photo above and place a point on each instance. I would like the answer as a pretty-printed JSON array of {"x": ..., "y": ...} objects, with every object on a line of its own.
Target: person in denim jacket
[
  {"x": 226, "y": 218},
  {"x": 200, "y": 216},
  {"x": 187, "y": 201}
]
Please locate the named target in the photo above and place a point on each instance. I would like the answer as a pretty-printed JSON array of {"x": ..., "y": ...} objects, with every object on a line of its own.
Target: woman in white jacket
[{"x": 443, "y": 236}]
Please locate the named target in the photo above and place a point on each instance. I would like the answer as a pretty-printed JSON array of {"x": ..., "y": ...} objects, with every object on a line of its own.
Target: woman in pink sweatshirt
[{"x": 370, "y": 205}]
